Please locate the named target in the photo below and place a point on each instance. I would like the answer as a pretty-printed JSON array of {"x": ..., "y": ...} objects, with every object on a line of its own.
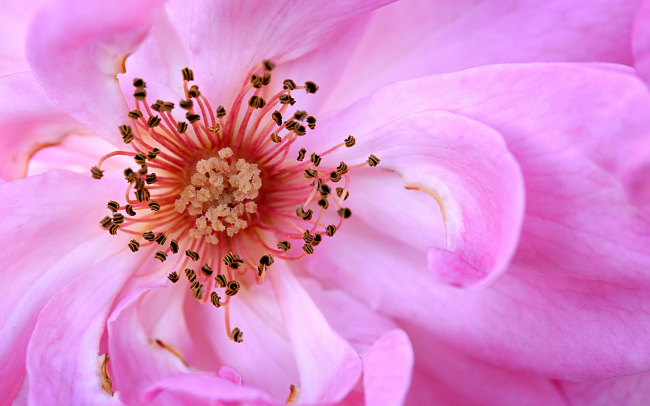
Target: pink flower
[{"x": 523, "y": 187}]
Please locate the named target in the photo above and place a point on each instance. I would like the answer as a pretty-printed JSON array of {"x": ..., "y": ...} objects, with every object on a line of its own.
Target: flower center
[{"x": 221, "y": 189}]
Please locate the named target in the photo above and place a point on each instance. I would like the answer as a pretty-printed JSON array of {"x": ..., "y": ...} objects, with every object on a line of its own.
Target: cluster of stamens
[{"x": 218, "y": 193}]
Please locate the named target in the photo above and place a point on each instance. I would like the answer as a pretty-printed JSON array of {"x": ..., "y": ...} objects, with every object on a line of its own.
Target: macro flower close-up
[{"x": 369, "y": 202}]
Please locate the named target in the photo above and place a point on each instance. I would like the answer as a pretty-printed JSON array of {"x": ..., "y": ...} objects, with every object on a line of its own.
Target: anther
[
  {"x": 194, "y": 91},
  {"x": 350, "y": 141},
  {"x": 142, "y": 195},
  {"x": 129, "y": 210},
  {"x": 286, "y": 99},
  {"x": 194, "y": 256},
  {"x": 192, "y": 118},
  {"x": 323, "y": 189},
  {"x": 139, "y": 183},
  {"x": 135, "y": 114},
  {"x": 277, "y": 117},
  {"x": 140, "y": 94},
  {"x": 127, "y": 138},
  {"x": 301, "y": 154},
  {"x": 221, "y": 280},
  {"x": 311, "y": 122},
  {"x": 188, "y": 75},
  {"x": 339, "y": 193},
  {"x": 112, "y": 229},
  {"x": 154, "y": 205},
  {"x": 221, "y": 111},
  {"x": 137, "y": 82},
  {"x": 258, "y": 81},
  {"x": 181, "y": 127},
  {"x": 310, "y": 173},
  {"x": 330, "y": 230},
  {"x": 140, "y": 158},
  {"x": 305, "y": 215},
  {"x": 307, "y": 237},
  {"x": 236, "y": 335},
  {"x": 317, "y": 239},
  {"x": 290, "y": 125},
  {"x": 373, "y": 160},
  {"x": 214, "y": 299},
  {"x": 197, "y": 290},
  {"x": 288, "y": 84},
  {"x": 173, "y": 246},
  {"x": 256, "y": 102},
  {"x": 106, "y": 222},
  {"x": 167, "y": 106},
  {"x": 324, "y": 203},
  {"x": 308, "y": 248},
  {"x": 311, "y": 87},
  {"x": 315, "y": 159},
  {"x": 157, "y": 105},
  {"x": 335, "y": 176},
  {"x": 232, "y": 288},
  {"x": 173, "y": 277},
  {"x": 276, "y": 138},
  {"x": 96, "y": 172},
  {"x": 161, "y": 238},
  {"x": 153, "y": 154},
  {"x": 129, "y": 175},
  {"x": 284, "y": 245},
  {"x": 118, "y": 218},
  {"x": 300, "y": 130},
  {"x": 207, "y": 271},
  {"x": 113, "y": 206},
  {"x": 268, "y": 65},
  {"x": 344, "y": 212},
  {"x": 160, "y": 255},
  {"x": 134, "y": 245},
  {"x": 300, "y": 115},
  {"x": 191, "y": 275},
  {"x": 342, "y": 168},
  {"x": 151, "y": 178},
  {"x": 186, "y": 104},
  {"x": 233, "y": 261},
  {"x": 149, "y": 235},
  {"x": 143, "y": 169}
]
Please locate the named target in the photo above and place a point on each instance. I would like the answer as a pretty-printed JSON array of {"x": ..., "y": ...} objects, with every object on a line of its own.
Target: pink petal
[
  {"x": 29, "y": 121},
  {"x": 103, "y": 34},
  {"x": 641, "y": 41},
  {"x": 387, "y": 369},
  {"x": 444, "y": 36},
  {"x": 327, "y": 365},
  {"x": 14, "y": 20},
  {"x": 632, "y": 390},
  {"x": 54, "y": 236},
  {"x": 65, "y": 341},
  {"x": 465, "y": 167},
  {"x": 280, "y": 31}
]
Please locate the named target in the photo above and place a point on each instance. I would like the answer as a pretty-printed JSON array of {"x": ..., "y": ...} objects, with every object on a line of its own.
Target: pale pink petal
[
  {"x": 29, "y": 121},
  {"x": 446, "y": 36},
  {"x": 465, "y": 167},
  {"x": 327, "y": 365},
  {"x": 76, "y": 48},
  {"x": 63, "y": 358},
  {"x": 641, "y": 41},
  {"x": 51, "y": 229},
  {"x": 14, "y": 21},
  {"x": 281, "y": 31},
  {"x": 387, "y": 369},
  {"x": 631, "y": 390}
]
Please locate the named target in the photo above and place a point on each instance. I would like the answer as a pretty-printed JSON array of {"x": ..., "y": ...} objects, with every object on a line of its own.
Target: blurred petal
[
  {"x": 103, "y": 34},
  {"x": 14, "y": 21},
  {"x": 54, "y": 236},
  {"x": 641, "y": 42},
  {"x": 631, "y": 390},
  {"x": 387, "y": 369}
]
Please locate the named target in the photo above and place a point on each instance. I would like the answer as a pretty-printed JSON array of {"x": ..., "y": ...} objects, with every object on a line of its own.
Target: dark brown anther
[
  {"x": 214, "y": 299},
  {"x": 157, "y": 105},
  {"x": 315, "y": 159},
  {"x": 129, "y": 210},
  {"x": 288, "y": 84},
  {"x": 308, "y": 248},
  {"x": 236, "y": 335},
  {"x": 299, "y": 115},
  {"x": 118, "y": 218},
  {"x": 342, "y": 169},
  {"x": 127, "y": 138},
  {"x": 173, "y": 246},
  {"x": 194, "y": 91},
  {"x": 339, "y": 193},
  {"x": 373, "y": 160},
  {"x": 301, "y": 154},
  {"x": 161, "y": 238},
  {"x": 256, "y": 102},
  {"x": 161, "y": 256},
  {"x": 221, "y": 111},
  {"x": 310, "y": 173},
  {"x": 106, "y": 222},
  {"x": 182, "y": 127},
  {"x": 286, "y": 99},
  {"x": 143, "y": 169},
  {"x": 275, "y": 138},
  {"x": 134, "y": 245},
  {"x": 137, "y": 82},
  {"x": 330, "y": 230},
  {"x": 344, "y": 212},
  {"x": 194, "y": 256},
  {"x": 311, "y": 87},
  {"x": 154, "y": 205},
  {"x": 290, "y": 124},
  {"x": 233, "y": 261},
  {"x": 335, "y": 176},
  {"x": 197, "y": 290},
  {"x": 151, "y": 178},
  {"x": 350, "y": 141},
  {"x": 125, "y": 130},
  {"x": 188, "y": 75},
  {"x": 153, "y": 154},
  {"x": 300, "y": 130},
  {"x": 267, "y": 260},
  {"x": 138, "y": 183},
  {"x": 129, "y": 175},
  {"x": 277, "y": 117},
  {"x": 324, "y": 203},
  {"x": 323, "y": 189},
  {"x": 96, "y": 172},
  {"x": 186, "y": 104},
  {"x": 192, "y": 118},
  {"x": 113, "y": 206},
  {"x": 284, "y": 246},
  {"x": 167, "y": 106},
  {"x": 112, "y": 229},
  {"x": 221, "y": 280},
  {"x": 206, "y": 269},
  {"x": 191, "y": 275},
  {"x": 257, "y": 81},
  {"x": 140, "y": 94},
  {"x": 305, "y": 215},
  {"x": 135, "y": 114},
  {"x": 173, "y": 277},
  {"x": 149, "y": 235},
  {"x": 268, "y": 65},
  {"x": 317, "y": 239},
  {"x": 142, "y": 195},
  {"x": 311, "y": 122},
  {"x": 232, "y": 288},
  {"x": 266, "y": 79},
  {"x": 153, "y": 121},
  {"x": 307, "y": 237}
]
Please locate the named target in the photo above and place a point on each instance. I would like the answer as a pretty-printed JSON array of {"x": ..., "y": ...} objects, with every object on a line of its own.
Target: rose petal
[
  {"x": 641, "y": 41},
  {"x": 387, "y": 369},
  {"x": 104, "y": 33},
  {"x": 14, "y": 20},
  {"x": 632, "y": 390}
]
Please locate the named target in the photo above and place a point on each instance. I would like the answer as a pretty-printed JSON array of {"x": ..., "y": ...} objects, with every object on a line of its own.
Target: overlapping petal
[{"x": 641, "y": 41}]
